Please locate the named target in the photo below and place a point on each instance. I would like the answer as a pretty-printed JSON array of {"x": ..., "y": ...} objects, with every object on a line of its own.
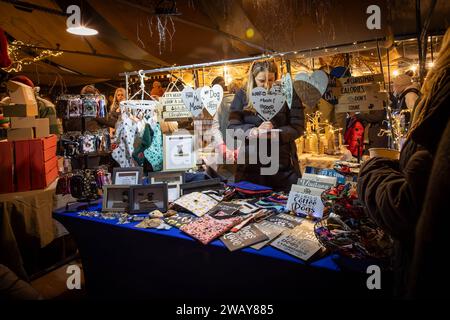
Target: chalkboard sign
[
  {"x": 301, "y": 242},
  {"x": 180, "y": 219},
  {"x": 285, "y": 220},
  {"x": 271, "y": 230},
  {"x": 244, "y": 238}
]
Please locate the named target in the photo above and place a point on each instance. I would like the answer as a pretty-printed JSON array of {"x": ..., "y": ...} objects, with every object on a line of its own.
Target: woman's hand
[
  {"x": 265, "y": 126},
  {"x": 253, "y": 133}
]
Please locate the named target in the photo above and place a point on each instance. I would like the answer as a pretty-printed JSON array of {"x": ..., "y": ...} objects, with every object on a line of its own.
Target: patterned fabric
[
  {"x": 154, "y": 154},
  {"x": 126, "y": 132},
  {"x": 197, "y": 203},
  {"x": 206, "y": 228}
]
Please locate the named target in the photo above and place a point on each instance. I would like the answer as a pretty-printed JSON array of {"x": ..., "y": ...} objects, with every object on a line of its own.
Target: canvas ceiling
[{"x": 205, "y": 31}]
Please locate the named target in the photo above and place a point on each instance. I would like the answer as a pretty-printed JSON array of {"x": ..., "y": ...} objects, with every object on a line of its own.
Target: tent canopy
[{"x": 132, "y": 37}]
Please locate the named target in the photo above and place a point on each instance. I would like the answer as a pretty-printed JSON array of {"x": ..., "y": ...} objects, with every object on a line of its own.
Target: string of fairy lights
[{"x": 19, "y": 59}]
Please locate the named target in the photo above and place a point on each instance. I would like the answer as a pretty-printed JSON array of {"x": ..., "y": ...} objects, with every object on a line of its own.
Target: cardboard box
[
  {"x": 23, "y": 122},
  {"x": 22, "y": 165},
  {"x": 42, "y": 128},
  {"x": 22, "y": 94},
  {"x": 19, "y": 110},
  {"x": 6, "y": 166},
  {"x": 20, "y": 134}
]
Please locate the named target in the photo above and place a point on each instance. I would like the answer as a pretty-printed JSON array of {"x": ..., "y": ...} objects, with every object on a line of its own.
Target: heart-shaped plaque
[
  {"x": 286, "y": 86},
  {"x": 310, "y": 88},
  {"x": 212, "y": 98},
  {"x": 267, "y": 102},
  {"x": 191, "y": 99}
]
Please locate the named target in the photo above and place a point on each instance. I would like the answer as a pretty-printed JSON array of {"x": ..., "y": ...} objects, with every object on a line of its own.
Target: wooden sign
[
  {"x": 311, "y": 87},
  {"x": 359, "y": 97},
  {"x": 305, "y": 201},
  {"x": 267, "y": 102},
  {"x": 211, "y": 98},
  {"x": 174, "y": 107},
  {"x": 314, "y": 184},
  {"x": 175, "y": 115},
  {"x": 192, "y": 100},
  {"x": 301, "y": 242},
  {"x": 285, "y": 220},
  {"x": 244, "y": 238},
  {"x": 320, "y": 178},
  {"x": 371, "y": 78},
  {"x": 287, "y": 89},
  {"x": 364, "y": 106},
  {"x": 271, "y": 230}
]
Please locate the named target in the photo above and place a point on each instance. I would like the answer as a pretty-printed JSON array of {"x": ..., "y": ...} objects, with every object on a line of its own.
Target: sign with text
[
  {"x": 271, "y": 230},
  {"x": 267, "y": 102},
  {"x": 211, "y": 98},
  {"x": 244, "y": 238},
  {"x": 192, "y": 100},
  {"x": 300, "y": 242},
  {"x": 174, "y": 107},
  {"x": 305, "y": 201}
]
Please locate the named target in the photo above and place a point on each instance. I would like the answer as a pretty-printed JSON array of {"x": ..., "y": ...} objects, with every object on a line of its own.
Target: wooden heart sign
[
  {"x": 310, "y": 88},
  {"x": 211, "y": 98},
  {"x": 286, "y": 86},
  {"x": 191, "y": 98},
  {"x": 267, "y": 103}
]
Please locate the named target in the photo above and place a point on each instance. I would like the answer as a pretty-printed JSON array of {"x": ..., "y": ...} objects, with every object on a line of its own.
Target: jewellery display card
[
  {"x": 206, "y": 228},
  {"x": 320, "y": 178},
  {"x": 271, "y": 230},
  {"x": 300, "y": 242},
  {"x": 197, "y": 203},
  {"x": 180, "y": 219},
  {"x": 285, "y": 220},
  {"x": 314, "y": 184},
  {"x": 148, "y": 198},
  {"x": 244, "y": 238}
]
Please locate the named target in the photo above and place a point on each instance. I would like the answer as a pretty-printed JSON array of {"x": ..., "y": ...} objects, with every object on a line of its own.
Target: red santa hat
[{"x": 5, "y": 61}]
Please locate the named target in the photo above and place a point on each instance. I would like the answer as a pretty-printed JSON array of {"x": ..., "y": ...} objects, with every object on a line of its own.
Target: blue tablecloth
[{"x": 120, "y": 260}]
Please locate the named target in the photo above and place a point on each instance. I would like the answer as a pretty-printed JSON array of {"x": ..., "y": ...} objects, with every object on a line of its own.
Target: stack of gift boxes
[{"x": 28, "y": 157}]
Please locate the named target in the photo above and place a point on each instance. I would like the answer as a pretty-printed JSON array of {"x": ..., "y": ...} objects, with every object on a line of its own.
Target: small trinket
[{"x": 155, "y": 214}]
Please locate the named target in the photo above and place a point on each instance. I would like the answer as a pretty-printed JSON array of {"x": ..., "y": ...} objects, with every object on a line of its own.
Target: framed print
[
  {"x": 127, "y": 176},
  {"x": 116, "y": 198},
  {"x": 179, "y": 152},
  {"x": 148, "y": 198}
]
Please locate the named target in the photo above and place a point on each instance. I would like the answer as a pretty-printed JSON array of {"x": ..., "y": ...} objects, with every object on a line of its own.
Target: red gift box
[
  {"x": 22, "y": 165},
  {"x": 44, "y": 163},
  {"x": 6, "y": 167}
]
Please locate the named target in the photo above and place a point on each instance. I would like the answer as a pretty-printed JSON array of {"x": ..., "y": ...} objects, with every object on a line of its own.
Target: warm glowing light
[
  {"x": 82, "y": 31},
  {"x": 249, "y": 33},
  {"x": 413, "y": 67},
  {"x": 395, "y": 73},
  {"x": 431, "y": 64}
]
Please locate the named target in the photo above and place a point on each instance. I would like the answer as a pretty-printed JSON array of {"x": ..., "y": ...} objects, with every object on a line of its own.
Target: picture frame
[
  {"x": 116, "y": 198},
  {"x": 146, "y": 198},
  {"x": 179, "y": 153},
  {"x": 174, "y": 179},
  {"x": 127, "y": 176}
]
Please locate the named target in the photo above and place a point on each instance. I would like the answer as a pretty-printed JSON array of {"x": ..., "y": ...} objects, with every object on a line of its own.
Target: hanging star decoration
[{"x": 19, "y": 60}]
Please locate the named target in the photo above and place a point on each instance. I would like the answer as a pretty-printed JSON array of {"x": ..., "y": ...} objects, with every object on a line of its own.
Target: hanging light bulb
[
  {"x": 82, "y": 31},
  {"x": 74, "y": 23}
]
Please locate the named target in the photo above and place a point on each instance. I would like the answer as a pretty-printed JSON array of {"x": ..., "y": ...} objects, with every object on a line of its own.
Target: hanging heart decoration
[
  {"x": 192, "y": 100},
  {"x": 211, "y": 98},
  {"x": 267, "y": 102},
  {"x": 286, "y": 87},
  {"x": 311, "y": 87}
]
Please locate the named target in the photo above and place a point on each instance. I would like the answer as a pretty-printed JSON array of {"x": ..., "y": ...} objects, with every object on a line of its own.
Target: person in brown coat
[{"x": 394, "y": 191}]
